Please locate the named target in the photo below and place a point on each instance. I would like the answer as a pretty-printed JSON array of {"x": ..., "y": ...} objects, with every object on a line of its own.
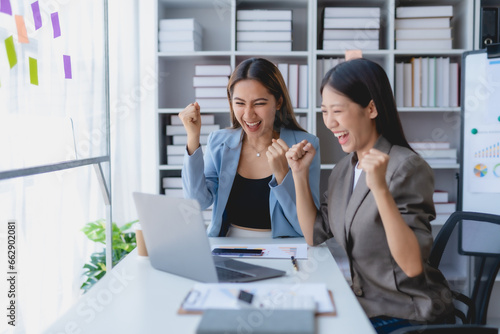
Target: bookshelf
[{"x": 219, "y": 19}]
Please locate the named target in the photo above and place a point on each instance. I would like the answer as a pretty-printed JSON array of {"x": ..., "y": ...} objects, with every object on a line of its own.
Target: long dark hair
[
  {"x": 269, "y": 76},
  {"x": 362, "y": 80}
]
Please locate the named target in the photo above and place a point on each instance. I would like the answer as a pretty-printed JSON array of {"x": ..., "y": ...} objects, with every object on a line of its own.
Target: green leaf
[
  {"x": 123, "y": 244},
  {"x": 96, "y": 231},
  {"x": 128, "y": 225}
]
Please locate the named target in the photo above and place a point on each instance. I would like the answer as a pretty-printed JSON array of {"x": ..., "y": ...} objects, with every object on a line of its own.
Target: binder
[{"x": 490, "y": 28}]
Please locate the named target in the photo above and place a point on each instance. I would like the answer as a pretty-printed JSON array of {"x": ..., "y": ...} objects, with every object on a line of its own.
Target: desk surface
[{"x": 135, "y": 298}]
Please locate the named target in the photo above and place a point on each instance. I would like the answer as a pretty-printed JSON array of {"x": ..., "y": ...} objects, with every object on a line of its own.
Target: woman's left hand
[
  {"x": 374, "y": 163},
  {"x": 277, "y": 159}
]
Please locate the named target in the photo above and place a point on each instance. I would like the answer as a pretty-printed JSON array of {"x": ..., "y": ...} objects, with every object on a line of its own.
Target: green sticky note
[
  {"x": 33, "y": 71},
  {"x": 11, "y": 51}
]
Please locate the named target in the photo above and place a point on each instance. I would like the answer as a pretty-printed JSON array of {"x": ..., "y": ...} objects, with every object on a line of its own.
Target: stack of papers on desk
[
  {"x": 225, "y": 296},
  {"x": 273, "y": 251}
]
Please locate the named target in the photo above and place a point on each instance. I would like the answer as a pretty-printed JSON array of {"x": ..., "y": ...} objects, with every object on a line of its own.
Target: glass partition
[
  {"x": 54, "y": 151},
  {"x": 53, "y": 87},
  {"x": 46, "y": 214}
]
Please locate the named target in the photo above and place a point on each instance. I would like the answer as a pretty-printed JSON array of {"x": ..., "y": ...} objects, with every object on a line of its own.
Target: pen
[{"x": 295, "y": 264}]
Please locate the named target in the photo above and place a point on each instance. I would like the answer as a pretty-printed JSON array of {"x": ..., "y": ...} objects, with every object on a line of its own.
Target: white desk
[{"x": 135, "y": 298}]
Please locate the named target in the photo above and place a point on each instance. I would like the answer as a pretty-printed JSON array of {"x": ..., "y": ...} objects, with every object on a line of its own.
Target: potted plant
[{"x": 123, "y": 243}]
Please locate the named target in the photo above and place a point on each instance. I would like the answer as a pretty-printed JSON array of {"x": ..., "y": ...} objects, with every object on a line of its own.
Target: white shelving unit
[{"x": 218, "y": 19}]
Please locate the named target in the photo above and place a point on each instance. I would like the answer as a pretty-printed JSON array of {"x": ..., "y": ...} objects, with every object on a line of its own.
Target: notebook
[{"x": 177, "y": 243}]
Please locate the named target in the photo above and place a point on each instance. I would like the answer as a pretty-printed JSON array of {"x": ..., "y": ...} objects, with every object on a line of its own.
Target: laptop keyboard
[{"x": 225, "y": 274}]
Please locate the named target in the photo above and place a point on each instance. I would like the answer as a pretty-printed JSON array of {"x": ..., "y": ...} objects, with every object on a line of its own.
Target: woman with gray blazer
[
  {"x": 244, "y": 172},
  {"x": 378, "y": 205}
]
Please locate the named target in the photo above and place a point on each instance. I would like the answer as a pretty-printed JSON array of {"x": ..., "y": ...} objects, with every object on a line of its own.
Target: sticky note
[
  {"x": 22, "y": 34},
  {"x": 11, "y": 51},
  {"x": 67, "y": 66},
  {"x": 5, "y": 7},
  {"x": 35, "y": 7},
  {"x": 55, "y": 24},
  {"x": 353, "y": 54},
  {"x": 33, "y": 71}
]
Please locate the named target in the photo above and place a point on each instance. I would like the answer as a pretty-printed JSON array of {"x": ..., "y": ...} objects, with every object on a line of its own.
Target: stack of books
[
  {"x": 351, "y": 28},
  {"x": 179, "y": 35},
  {"x": 302, "y": 120},
  {"x": 323, "y": 65},
  {"x": 172, "y": 186},
  {"x": 435, "y": 152},
  {"x": 423, "y": 27},
  {"x": 264, "y": 30},
  {"x": 427, "y": 82},
  {"x": 175, "y": 151},
  {"x": 326, "y": 64},
  {"x": 296, "y": 80},
  {"x": 444, "y": 208},
  {"x": 210, "y": 85}
]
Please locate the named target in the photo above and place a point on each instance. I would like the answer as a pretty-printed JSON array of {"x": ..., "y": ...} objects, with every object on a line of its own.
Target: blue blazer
[{"x": 209, "y": 179}]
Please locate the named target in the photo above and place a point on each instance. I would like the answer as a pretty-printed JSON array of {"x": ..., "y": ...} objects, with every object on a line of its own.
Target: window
[{"x": 54, "y": 148}]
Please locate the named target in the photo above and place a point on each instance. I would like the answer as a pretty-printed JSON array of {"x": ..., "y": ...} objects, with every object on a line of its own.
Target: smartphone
[{"x": 237, "y": 251}]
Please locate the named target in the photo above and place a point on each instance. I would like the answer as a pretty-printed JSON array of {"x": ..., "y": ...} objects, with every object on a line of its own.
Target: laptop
[{"x": 177, "y": 243}]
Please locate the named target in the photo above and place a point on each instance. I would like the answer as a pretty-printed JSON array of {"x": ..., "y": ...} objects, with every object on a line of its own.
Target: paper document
[
  {"x": 271, "y": 296},
  {"x": 274, "y": 251}
]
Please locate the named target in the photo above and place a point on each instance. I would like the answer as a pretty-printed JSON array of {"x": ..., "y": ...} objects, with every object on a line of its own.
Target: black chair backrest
[
  {"x": 484, "y": 265},
  {"x": 447, "y": 329}
]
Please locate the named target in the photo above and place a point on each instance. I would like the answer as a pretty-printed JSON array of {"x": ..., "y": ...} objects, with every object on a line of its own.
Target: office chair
[
  {"x": 447, "y": 329},
  {"x": 473, "y": 236},
  {"x": 467, "y": 236}
]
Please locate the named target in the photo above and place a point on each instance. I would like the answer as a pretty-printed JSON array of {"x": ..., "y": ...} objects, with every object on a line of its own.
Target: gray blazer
[{"x": 380, "y": 285}]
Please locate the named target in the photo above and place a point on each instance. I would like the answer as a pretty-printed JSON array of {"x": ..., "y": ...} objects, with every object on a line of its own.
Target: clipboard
[{"x": 182, "y": 310}]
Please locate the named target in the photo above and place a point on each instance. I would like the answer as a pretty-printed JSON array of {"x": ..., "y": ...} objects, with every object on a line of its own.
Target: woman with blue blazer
[{"x": 244, "y": 172}]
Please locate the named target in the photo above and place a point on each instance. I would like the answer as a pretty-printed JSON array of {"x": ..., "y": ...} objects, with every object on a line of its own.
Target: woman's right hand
[
  {"x": 191, "y": 119},
  {"x": 300, "y": 157}
]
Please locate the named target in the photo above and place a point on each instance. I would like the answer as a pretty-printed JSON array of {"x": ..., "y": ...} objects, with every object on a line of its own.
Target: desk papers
[
  {"x": 272, "y": 251},
  {"x": 225, "y": 296}
]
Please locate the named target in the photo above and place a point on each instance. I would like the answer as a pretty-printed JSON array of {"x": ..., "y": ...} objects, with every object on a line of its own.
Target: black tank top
[{"x": 248, "y": 203}]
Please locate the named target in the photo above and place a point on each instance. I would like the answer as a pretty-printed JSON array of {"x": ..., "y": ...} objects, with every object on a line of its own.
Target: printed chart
[{"x": 483, "y": 162}]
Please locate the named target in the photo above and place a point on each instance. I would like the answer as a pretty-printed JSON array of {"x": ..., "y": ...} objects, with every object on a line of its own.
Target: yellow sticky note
[
  {"x": 22, "y": 34},
  {"x": 33, "y": 71},
  {"x": 11, "y": 51}
]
